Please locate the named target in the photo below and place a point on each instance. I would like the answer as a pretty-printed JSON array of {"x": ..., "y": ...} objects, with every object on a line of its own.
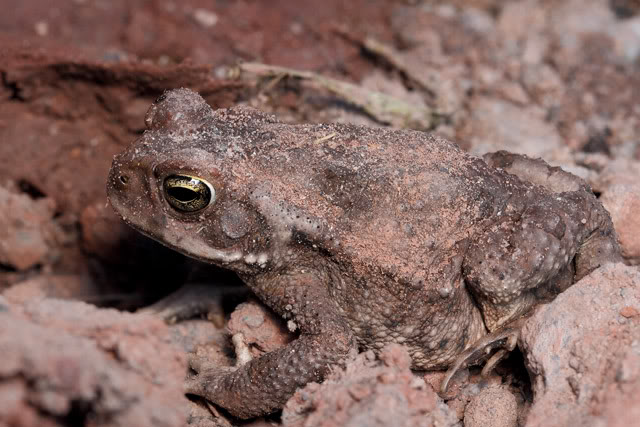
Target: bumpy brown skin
[{"x": 358, "y": 236}]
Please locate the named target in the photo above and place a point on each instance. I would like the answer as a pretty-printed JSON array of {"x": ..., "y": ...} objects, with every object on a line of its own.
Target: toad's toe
[{"x": 505, "y": 341}]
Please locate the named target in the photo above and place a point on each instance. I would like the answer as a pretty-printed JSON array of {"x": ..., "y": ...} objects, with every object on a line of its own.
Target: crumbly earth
[
  {"x": 69, "y": 363},
  {"x": 493, "y": 406},
  {"x": 369, "y": 392},
  {"x": 360, "y": 237},
  {"x": 586, "y": 363}
]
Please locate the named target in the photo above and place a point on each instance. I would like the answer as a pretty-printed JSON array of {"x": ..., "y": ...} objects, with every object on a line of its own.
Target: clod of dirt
[
  {"x": 464, "y": 387},
  {"x": 261, "y": 329},
  {"x": 27, "y": 233},
  {"x": 63, "y": 286},
  {"x": 369, "y": 393},
  {"x": 493, "y": 406},
  {"x": 69, "y": 363},
  {"x": 585, "y": 363}
]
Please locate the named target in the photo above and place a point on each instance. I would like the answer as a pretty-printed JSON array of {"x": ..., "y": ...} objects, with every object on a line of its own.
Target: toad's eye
[{"x": 188, "y": 193}]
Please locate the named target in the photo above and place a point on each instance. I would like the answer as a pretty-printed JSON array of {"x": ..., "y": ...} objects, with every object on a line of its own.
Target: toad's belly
[{"x": 434, "y": 329}]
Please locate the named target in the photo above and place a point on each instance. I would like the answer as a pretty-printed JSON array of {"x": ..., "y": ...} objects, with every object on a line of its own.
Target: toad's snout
[{"x": 129, "y": 190}]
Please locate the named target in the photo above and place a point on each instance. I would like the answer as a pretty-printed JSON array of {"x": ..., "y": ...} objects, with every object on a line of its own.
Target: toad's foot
[
  {"x": 193, "y": 300},
  {"x": 203, "y": 366},
  {"x": 505, "y": 341},
  {"x": 263, "y": 385}
]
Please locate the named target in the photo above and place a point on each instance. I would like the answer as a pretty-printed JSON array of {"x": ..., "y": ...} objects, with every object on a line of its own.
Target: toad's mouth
[
  {"x": 193, "y": 248},
  {"x": 198, "y": 249}
]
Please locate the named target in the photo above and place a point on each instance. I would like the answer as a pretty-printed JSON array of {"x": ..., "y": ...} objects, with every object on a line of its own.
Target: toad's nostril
[{"x": 124, "y": 179}]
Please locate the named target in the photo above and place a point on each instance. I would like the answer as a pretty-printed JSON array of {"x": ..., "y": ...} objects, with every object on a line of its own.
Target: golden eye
[{"x": 188, "y": 193}]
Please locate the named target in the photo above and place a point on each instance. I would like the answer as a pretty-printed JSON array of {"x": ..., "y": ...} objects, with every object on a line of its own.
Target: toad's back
[{"x": 391, "y": 200}]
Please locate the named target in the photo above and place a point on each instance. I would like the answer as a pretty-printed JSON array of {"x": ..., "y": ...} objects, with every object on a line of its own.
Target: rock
[
  {"x": 521, "y": 26},
  {"x": 576, "y": 18},
  {"x": 500, "y": 125},
  {"x": 623, "y": 203},
  {"x": 69, "y": 363},
  {"x": 369, "y": 393},
  {"x": 619, "y": 185},
  {"x": 493, "y": 406},
  {"x": 572, "y": 18},
  {"x": 544, "y": 84},
  {"x": 478, "y": 20},
  {"x": 583, "y": 352},
  {"x": 627, "y": 39}
]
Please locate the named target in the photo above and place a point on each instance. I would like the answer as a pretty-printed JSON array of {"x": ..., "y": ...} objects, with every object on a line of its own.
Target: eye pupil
[
  {"x": 182, "y": 194},
  {"x": 187, "y": 193}
]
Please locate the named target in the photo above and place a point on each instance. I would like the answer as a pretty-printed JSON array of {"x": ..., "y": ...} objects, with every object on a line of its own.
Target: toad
[{"x": 357, "y": 236}]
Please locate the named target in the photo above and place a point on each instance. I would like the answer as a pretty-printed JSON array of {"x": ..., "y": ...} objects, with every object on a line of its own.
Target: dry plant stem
[
  {"x": 393, "y": 57},
  {"x": 398, "y": 62},
  {"x": 382, "y": 107}
]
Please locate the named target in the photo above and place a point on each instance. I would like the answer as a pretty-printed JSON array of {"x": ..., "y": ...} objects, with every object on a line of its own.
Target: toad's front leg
[{"x": 263, "y": 385}]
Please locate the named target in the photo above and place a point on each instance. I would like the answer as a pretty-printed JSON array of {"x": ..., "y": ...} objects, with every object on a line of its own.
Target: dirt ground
[{"x": 557, "y": 79}]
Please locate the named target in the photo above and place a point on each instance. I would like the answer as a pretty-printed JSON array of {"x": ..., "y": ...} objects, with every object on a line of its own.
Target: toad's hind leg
[
  {"x": 600, "y": 245},
  {"x": 525, "y": 257},
  {"x": 517, "y": 261}
]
